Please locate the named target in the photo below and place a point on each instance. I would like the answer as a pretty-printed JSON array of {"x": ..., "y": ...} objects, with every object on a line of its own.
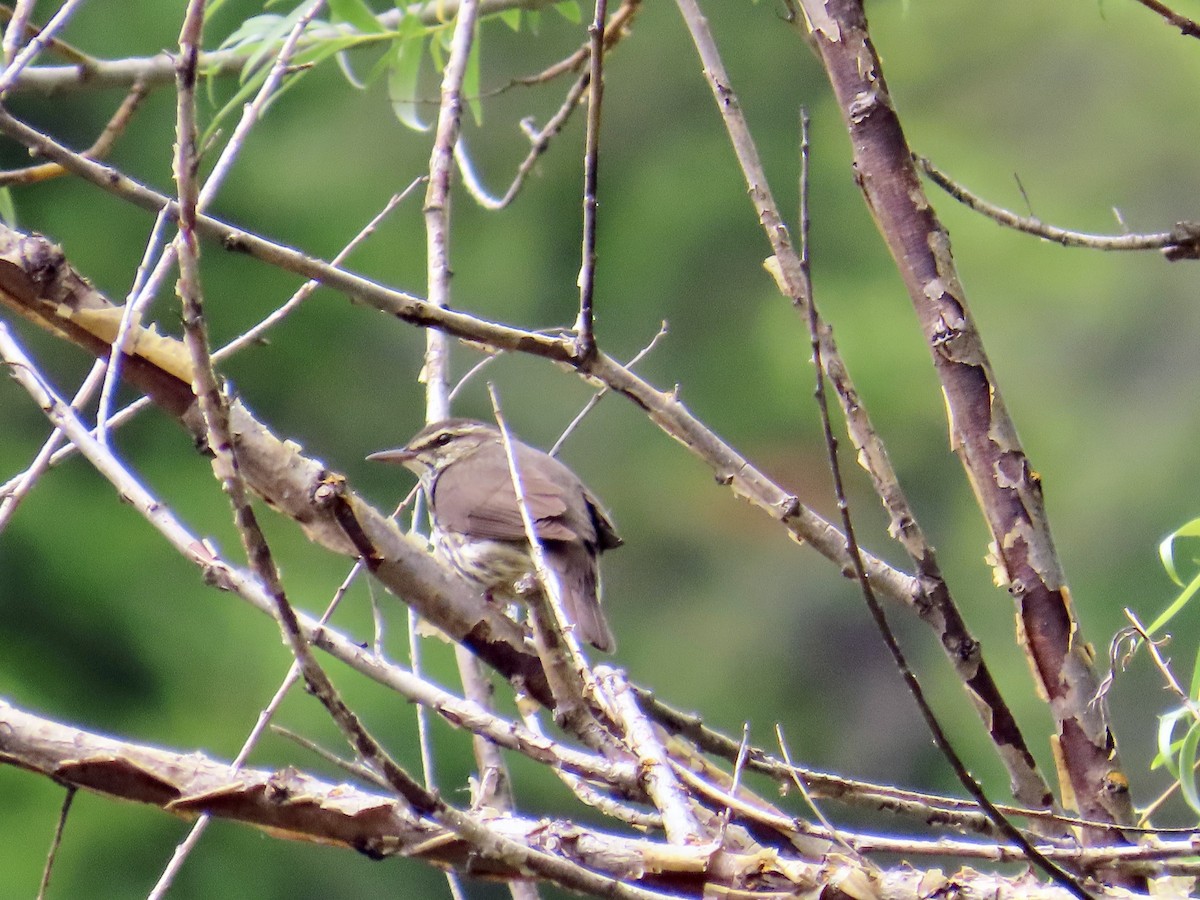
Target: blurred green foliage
[{"x": 101, "y": 625}]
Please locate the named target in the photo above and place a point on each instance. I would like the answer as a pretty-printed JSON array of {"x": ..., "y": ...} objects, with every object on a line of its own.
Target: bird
[{"x": 477, "y": 524}]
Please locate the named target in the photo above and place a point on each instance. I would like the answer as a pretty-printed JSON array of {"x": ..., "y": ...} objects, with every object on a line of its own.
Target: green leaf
[
  {"x": 322, "y": 50},
  {"x": 244, "y": 92},
  {"x": 332, "y": 46},
  {"x": 511, "y": 18},
  {"x": 403, "y": 78},
  {"x": 570, "y": 10},
  {"x": 1176, "y": 605},
  {"x": 1196, "y": 678},
  {"x": 1187, "y": 766},
  {"x": 8, "y": 209},
  {"x": 356, "y": 13},
  {"x": 211, "y": 9},
  {"x": 1166, "y": 550},
  {"x": 271, "y": 41},
  {"x": 1166, "y": 740},
  {"x": 381, "y": 66},
  {"x": 250, "y": 32}
]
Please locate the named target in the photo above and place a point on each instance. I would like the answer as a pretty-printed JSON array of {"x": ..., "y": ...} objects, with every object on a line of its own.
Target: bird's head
[{"x": 439, "y": 444}]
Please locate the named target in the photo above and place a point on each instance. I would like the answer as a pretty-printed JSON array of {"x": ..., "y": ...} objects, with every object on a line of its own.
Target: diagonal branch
[
  {"x": 664, "y": 408},
  {"x": 1007, "y": 488},
  {"x": 933, "y": 603},
  {"x": 1181, "y": 242}
]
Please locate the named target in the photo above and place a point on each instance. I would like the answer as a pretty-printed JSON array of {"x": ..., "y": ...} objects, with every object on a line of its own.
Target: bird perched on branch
[{"x": 478, "y": 527}]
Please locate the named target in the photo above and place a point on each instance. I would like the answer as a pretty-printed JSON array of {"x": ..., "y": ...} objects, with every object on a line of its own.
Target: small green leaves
[
  {"x": 354, "y": 24},
  {"x": 570, "y": 10},
  {"x": 404, "y": 69},
  {"x": 8, "y": 209},
  {"x": 1166, "y": 550},
  {"x": 1180, "y": 754},
  {"x": 355, "y": 13}
]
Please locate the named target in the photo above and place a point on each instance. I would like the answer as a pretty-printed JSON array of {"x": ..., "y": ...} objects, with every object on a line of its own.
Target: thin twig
[
  {"x": 56, "y": 841},
  {"x": 185, "y": 847},
  {"x": 1181, "y": 236},
  {"x": 583, "y": 791},
  {"x": 55, "y": 45},
  {"x": 140, "y": 295},
  {"x": 739, "y": 766},
  {"x": 1185, "y": 701},
  {"x": 585, "y": 335},
  {"x": 1152, "y": 647},
  {"x": 1186, "y": 26},
  {"x": 834, "y": 833},
  {"x": 354, "y": 769},
  {"x": 252, "y": 336},
  {"x": 100, "y": 147},
  {"x": 539, "y": 140},
  {"x": 138, "y": 302},
  {"x": 18, "y": 29},
  {"x": 255, "y": 334},
  {"x": 18, "y": 488},
  {"x": 36, "y": 45},
  {"x": 567, "y": 671},
  {"x": 595, "y": 399}
]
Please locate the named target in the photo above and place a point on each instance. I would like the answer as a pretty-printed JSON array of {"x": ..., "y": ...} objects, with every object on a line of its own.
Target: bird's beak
[{"x": 400, "y": 456}]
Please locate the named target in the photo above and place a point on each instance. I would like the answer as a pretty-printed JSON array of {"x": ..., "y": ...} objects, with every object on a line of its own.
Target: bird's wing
[
  {"x": 462, "y": 507},
  {"x": 606, "y": 532}
]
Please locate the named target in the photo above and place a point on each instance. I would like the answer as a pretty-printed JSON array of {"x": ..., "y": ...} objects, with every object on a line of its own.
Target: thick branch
[
  {"x": 291, "y": 805},
  {"x": 1007, "y": 487},
  {"x": 935, "y": 605}
]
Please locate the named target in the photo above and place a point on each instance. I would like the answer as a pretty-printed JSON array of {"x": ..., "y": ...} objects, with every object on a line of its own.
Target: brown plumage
[{"x": 478, "y": 526}]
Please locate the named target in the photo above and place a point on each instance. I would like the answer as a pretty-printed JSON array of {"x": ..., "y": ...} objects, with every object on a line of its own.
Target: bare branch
[
  {"x": 584, "y": 325},
  {"x": 933, "y": 601},
  {"x": 33, "y": 49},
  {"x": 679, "y": 820},
  {"x": 100, "y": 148},
  {"x": 1181, "y": 242},
  {"x": 1186, "y": 26},
  {"x": 153, "y": 369},
  {"x": 982, "y": 433}
]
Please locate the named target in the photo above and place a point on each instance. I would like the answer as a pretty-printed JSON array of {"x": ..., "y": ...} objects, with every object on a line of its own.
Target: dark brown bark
[{"x": 1007, "y": 487}]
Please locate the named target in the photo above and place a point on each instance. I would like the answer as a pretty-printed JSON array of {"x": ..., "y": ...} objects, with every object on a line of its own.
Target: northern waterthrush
[{"x": 477, "y": 525}]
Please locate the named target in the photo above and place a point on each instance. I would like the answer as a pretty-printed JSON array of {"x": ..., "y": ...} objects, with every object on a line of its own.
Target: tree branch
[{"x": 1007, "y": 487}]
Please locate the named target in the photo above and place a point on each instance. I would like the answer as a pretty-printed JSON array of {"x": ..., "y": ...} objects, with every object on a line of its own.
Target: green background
[{"x": 714, "y": 608}]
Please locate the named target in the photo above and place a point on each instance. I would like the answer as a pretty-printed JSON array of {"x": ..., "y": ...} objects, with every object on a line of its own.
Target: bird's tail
[{"x": 579, "y": 579}]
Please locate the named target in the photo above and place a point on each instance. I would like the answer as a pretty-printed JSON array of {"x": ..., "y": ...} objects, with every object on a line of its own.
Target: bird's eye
[{"x": 443, "y": 439}]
